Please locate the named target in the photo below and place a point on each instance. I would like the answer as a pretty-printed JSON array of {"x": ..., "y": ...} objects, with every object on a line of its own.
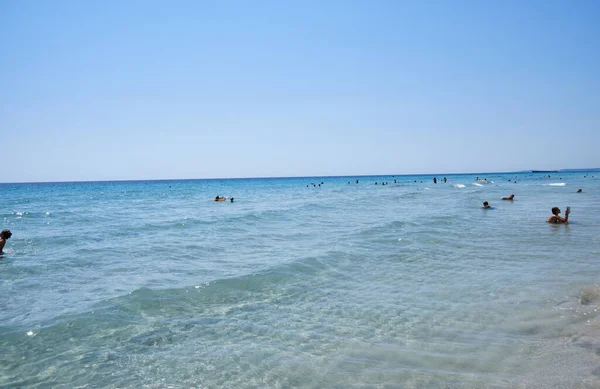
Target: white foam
[
  {"x": 458, "y": 186},
  {"x": 477, "y": 184},
  {"x": 557, "y": 184}
]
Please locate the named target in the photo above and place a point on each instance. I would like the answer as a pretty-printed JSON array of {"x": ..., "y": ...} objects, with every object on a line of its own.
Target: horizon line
[{"x": 317, "y": 176}]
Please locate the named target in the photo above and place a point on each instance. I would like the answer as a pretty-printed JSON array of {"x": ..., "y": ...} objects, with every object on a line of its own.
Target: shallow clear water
[{"x": 408, "y": 285}]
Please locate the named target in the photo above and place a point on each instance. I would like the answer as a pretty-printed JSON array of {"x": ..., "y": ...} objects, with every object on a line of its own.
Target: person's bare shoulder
[{"x": 556, "y": 219}]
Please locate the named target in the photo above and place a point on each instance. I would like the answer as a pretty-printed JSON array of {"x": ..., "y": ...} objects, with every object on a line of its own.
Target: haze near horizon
[{"x": 156, "y": 90}]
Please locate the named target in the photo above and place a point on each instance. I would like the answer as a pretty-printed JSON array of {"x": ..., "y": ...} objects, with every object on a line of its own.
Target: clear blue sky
[{"x": 108, "y": 90}]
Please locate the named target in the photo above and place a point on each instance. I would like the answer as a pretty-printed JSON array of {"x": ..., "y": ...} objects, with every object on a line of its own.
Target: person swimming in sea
[
  {"x": 579, "y": 190},
  {"x": 486, "y": 205},
  {"x": 557, "y": 219},
  {"x": 511, "y": 197},
  {"x": 220, "y": 198},
  {"x": 4, "y": 235}
]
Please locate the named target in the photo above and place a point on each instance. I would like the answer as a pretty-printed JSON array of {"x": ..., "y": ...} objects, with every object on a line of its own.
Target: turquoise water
[{"x": 408, "y": 285}]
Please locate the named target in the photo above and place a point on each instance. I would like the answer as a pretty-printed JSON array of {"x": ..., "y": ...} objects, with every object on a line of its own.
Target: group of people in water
[{"x": 555, "y": 218}]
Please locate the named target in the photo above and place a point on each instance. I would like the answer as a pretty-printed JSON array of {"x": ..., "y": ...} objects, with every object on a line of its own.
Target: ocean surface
[{"x": 151, "y": 284}]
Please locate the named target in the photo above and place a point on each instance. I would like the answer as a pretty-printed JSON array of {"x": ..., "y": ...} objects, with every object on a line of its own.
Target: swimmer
[
  {"x": 557, "y": 219},
  {"x": 579, "y": 190},
  {"x": 486, "y": 205},
  {"x": 220, "y": 198},
  {"x": 4, "y": 235},
  {"x": 511, "y": 197},
  {"x": 231, "y": 199}
]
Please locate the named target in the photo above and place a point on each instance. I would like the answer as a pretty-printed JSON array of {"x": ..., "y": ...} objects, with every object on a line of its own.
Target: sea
[{"x": 306, "y": 282}]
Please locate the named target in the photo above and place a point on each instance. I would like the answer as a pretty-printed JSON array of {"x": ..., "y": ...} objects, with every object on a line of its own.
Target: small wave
[
  {"x": 589, "y": 295},
  {"x": 557, "y": 184},
  {"x": 476, "y": 184},
  {"x": 458, "y": 186}
]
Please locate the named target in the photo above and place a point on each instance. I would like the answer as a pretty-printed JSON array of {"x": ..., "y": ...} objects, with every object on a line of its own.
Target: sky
[{"x": 127, "y": 90}]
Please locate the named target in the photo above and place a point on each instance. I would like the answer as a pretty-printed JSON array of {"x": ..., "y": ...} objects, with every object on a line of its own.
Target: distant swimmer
[
  {"x": 579, "y": 190},
  {"x": 231, "y": 199},
  {"x": 4, "y": 235},
  {"x": 444, "y": 180},
  {"x": 486, "y": 205},
  {"x": 557, "y": 219},
  {"x": 511, "y": 197},
  {"x": 220, "y": 198},
  {"x": 434, "y": 180}
]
